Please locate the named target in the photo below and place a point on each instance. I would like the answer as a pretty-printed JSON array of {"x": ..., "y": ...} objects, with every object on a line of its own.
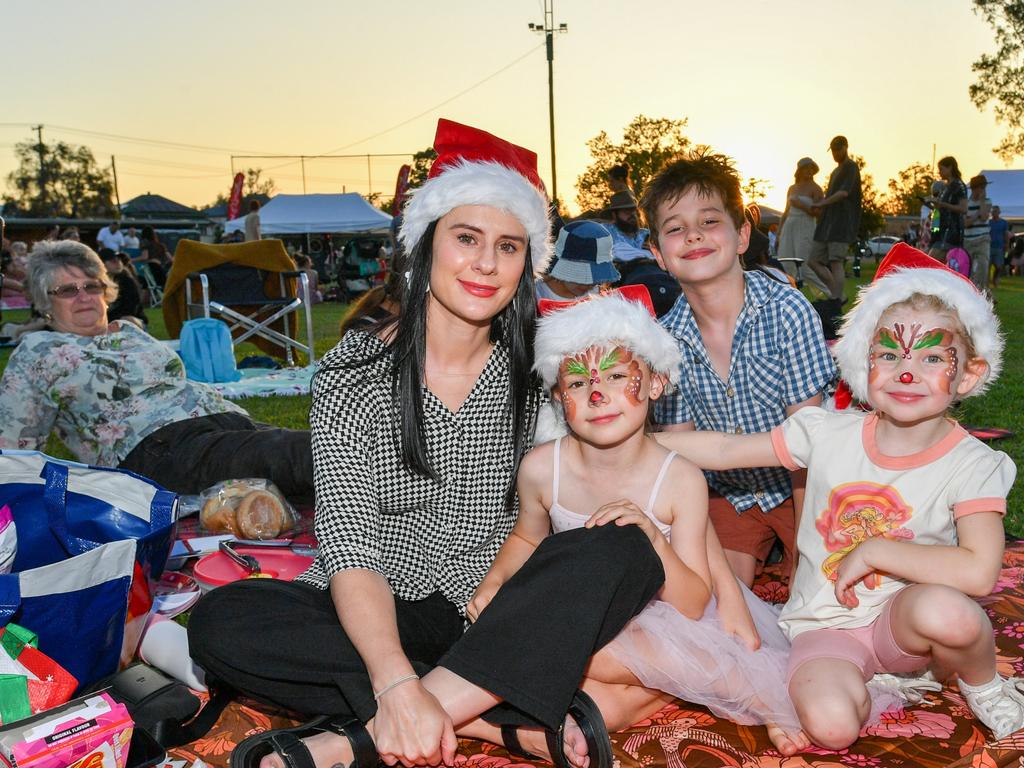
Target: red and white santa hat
[
  {"x": 906, "y": 271},
  {"x": 623, "y": 317},
  {"x": 474, "y": 167}
]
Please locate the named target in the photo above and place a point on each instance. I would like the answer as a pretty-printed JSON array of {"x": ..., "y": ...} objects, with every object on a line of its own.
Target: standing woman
[
  {"x": 798, "y": 223},
  {"x": 952, "y": 207},
  {"x": 419, "y": 425}
]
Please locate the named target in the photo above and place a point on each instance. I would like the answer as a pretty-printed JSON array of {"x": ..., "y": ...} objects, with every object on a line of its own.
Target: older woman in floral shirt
[{"x": 118, "y": 397}]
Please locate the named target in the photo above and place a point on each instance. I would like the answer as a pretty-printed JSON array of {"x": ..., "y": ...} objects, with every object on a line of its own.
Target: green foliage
[
  {"x": 254, "y": 185},
  {"x": 905, "y": 191},
  {"x": 421, "y": 163},
  {"x": 60, "y": 180},
  {"x": 647, "y": 144},
  {"x": 754, "y": 190},
  {"x": 1000, "y": 76}
]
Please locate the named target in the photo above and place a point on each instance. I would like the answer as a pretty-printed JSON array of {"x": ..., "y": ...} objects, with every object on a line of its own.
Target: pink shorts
[{"x": 871, "y": 649}]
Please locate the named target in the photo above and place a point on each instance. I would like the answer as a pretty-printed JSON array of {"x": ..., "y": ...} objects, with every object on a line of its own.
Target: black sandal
[
  {"x": 588, "y": 717},
  {"x": 287, "y": 742}
]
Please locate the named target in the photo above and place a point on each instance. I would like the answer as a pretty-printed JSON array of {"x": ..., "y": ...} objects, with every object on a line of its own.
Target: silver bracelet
[{"x": 394, "y": 684}]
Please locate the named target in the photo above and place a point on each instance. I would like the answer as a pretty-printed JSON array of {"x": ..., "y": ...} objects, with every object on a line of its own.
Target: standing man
[
  {"x": 111, "y": 237},
  {"x": 976, "y": 231},
  {"x": 838, "y": 222},
  {"x": 252, "y": 221},
  {"x": 998, "y": 228}
]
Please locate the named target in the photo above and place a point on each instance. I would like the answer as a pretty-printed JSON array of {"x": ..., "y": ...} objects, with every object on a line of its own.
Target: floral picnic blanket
[{"x": 938, "y": 732}]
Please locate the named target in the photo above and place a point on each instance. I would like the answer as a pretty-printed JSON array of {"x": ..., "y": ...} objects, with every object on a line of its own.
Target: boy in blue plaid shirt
[{"x": 753, "y": 349}]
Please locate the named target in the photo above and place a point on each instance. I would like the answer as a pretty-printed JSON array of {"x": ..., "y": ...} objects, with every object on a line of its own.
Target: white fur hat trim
[
  {"x": 973, "y": 308},
  {"x": 607, "y": 320},
  {"x": 480, "y": 182}
]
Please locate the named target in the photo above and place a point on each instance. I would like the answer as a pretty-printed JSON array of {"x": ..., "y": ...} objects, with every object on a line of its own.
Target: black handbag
[{"x": 165, "y": 707}]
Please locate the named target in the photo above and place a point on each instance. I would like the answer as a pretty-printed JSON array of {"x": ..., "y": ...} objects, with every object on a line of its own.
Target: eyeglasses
[{"x": 70, "y": 290}]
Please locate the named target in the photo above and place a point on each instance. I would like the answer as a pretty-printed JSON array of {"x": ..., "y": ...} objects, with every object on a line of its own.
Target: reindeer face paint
[
  {"x": 599, "y": 385},
  {"x": 914, "y": 362}
]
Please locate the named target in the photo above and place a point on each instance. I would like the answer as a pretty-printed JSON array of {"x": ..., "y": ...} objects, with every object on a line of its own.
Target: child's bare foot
[
  {"x": 328, "y": 750},
  {"x": 575, "y": 744},
  {"x": 787, "y": 744}
]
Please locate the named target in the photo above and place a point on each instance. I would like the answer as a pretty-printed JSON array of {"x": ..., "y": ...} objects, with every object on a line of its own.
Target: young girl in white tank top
[{"x": 605, "y": 360}]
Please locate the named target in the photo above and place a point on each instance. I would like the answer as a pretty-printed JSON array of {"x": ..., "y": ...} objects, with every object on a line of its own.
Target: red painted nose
[
  {"x": 906, "y": 378},
  {"x": 596, "y": 397}
]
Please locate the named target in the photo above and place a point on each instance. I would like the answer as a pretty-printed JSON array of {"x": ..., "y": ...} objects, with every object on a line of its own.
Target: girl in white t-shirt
[{"x": 902, "y": 519}]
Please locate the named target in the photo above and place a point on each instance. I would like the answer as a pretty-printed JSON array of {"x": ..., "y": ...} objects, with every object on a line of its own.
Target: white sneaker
[
  {"x": 910, "y": 689},
  {"x": 998, "y": 704}
]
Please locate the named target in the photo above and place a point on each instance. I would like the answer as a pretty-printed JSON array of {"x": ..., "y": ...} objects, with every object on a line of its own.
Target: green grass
[{"x": 1001, "y": 406}]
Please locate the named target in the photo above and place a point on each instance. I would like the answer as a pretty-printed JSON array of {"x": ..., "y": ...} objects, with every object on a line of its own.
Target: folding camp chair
[
  {"x": 152, "y": 288},
  {"x": 238, "y": 295}
]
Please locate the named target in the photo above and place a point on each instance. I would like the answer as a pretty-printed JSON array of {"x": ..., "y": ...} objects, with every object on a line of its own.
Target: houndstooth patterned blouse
[{"x": 371, "y": 512}]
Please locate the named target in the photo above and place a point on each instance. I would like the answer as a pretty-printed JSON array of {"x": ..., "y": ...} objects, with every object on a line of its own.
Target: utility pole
[
  {"x": 41, "y": 149},
  {"x": 117, "y": 195},
  {"x": 548, "y": 28}
]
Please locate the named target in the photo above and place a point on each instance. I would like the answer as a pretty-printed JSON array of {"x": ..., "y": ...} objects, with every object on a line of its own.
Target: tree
[
  {"x": 419, "y": 168},
  {"x": 755, "y": 189},
  {"x": 871, "y": 217},
  {"x": 647, "y": 144},
  {"x": 1001, "y": 75},
  {"x": 254, "y": 185},
  {"x": 421, "y": 163},
  {"x": 905, "y": 191},
  {"x": 60, "y": 180}
]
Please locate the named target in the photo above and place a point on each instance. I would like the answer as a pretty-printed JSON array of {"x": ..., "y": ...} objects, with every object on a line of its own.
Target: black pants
[
  {"x": 189, "y": 456},
  {"x": 283, "y": 643}
]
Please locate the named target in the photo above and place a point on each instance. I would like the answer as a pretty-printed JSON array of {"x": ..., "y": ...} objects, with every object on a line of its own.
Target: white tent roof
[
  {"x": 315, "y": 214},
  {"x": 1006, "y": 189}
]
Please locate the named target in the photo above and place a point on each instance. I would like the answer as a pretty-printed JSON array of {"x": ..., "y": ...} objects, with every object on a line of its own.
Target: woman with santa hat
[{"x": 418, "y": 427}]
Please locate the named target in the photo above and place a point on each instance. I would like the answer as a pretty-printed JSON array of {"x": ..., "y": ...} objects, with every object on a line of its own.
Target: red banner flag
[
  {"x": 401, "y": 190},
  {"x": 235, "y": 201}
]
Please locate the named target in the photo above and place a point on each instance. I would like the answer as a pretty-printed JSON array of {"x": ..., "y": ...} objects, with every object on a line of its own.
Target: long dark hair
[
  {"x": 406, "y": 340},
  {"x": 954, "y": 168}
]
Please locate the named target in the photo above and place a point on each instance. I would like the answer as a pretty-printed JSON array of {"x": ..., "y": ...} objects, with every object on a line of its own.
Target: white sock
[{"x": 995, "y": 682}]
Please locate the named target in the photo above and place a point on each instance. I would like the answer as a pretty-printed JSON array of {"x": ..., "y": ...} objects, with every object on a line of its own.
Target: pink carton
[{"x": 92, "y": 731}]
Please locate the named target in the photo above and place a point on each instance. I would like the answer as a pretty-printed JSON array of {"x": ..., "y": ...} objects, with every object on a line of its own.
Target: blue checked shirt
[{"x": 779, "y": 359}]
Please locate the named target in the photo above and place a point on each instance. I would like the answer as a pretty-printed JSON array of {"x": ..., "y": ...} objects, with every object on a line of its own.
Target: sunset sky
[{"x": 765, "y": 82}]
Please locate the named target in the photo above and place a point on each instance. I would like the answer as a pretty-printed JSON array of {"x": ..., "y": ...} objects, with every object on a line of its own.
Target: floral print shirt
[{"x": 102, "y": 394}]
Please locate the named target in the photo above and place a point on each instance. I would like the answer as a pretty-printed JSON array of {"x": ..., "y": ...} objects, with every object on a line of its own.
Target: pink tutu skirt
[{"x": 698, "y": 661}]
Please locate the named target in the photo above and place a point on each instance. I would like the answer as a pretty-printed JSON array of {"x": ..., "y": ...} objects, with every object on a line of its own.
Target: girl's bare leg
[
  {"x": 606, "y": 670},
  {"x": 831, "y": 701},
  {"x": 948, "y": 625}
]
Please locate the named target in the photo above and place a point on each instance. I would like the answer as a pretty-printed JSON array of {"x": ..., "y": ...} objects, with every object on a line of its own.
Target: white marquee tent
[
  {"x": 317, "y": 214},
  {"x": 1006, "y": 189}
]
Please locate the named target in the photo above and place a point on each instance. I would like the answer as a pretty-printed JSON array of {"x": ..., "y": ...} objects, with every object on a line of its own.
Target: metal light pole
[{"x": 548, "y": 28}]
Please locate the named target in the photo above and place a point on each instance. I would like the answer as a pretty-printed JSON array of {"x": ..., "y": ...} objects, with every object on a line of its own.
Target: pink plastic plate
[{"x": 217, "y": 569}]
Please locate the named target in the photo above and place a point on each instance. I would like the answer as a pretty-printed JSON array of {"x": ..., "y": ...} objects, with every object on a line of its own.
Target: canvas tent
[
  {"x": 1006, "y": 189},
  {"x": 317, "y": 214}
]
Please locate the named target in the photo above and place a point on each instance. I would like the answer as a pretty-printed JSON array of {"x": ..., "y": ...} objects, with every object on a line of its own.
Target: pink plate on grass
[{"x": 217, "y": 569}]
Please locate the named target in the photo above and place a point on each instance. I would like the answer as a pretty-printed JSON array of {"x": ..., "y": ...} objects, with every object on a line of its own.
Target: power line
[
  {"x": 440, "y": 104},
  {"x": 209, "y": 148},
  {"x": 136, "y": 139}
]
